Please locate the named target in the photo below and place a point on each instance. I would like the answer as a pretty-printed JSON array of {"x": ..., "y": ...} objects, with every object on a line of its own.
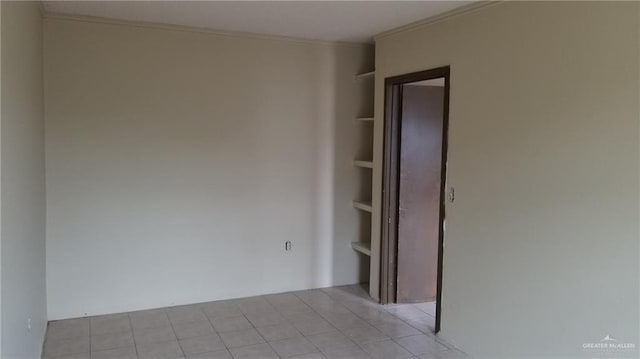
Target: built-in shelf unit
[{"x": 363, "y": 164}]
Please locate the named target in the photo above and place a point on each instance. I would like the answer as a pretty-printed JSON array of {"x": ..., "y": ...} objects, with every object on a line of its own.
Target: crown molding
[
  {"x": 198, "y": 30},
  {"x": 475, "y": 6}
]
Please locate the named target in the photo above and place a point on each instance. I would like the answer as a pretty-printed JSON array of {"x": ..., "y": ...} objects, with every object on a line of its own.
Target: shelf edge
[
  {"x": 365, "y": 75},
  {"x": 360, "y": 248},
  {"x": 362, "y": 206},
  {"x": 363, "y": 164}
]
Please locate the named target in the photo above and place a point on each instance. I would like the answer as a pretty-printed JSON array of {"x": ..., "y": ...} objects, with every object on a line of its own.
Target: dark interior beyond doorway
[{"x": 419, "y": 191}]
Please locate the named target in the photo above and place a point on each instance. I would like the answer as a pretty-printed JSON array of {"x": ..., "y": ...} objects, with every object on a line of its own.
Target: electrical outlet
[
  {"x": 29, "y": 325},
  {"x": 287, "y": 246}
]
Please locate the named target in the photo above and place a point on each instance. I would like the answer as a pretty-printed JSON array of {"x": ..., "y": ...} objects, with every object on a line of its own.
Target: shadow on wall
[{"x": 339, "y": 140}]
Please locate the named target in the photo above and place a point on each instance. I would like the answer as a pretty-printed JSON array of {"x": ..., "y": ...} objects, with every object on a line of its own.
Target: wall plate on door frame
[{"x": 451, "y": 194}]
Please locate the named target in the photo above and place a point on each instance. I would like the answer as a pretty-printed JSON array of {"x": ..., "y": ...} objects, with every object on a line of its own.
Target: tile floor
[{"x": 337, "y": 322}]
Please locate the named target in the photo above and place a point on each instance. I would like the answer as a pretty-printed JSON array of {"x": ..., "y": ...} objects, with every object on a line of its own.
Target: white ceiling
[{"x": 350, "y": 21}]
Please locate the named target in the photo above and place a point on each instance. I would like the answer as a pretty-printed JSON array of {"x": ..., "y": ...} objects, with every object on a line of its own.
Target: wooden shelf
[
  {"x": 365, "y": 75},
  {"x": 362, "y": 247},
  {"x": 365, "y": 206},
  {"x": 365, "y": 119},
  {"x": 363, "y": 164}
]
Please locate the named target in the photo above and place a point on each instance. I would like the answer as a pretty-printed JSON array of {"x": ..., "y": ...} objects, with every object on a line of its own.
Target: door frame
[{"x": 390, "y": 178}]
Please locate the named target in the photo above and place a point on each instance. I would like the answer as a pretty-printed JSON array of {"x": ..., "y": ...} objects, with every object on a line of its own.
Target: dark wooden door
[{"x": 419, "y": 193}]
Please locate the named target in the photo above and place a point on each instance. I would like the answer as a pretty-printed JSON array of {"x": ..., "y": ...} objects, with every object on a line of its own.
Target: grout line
[
  {"x": 89, "y": 320},
  {"x": 216, "y": 331},
  {"x": 273, "y": 349},
  {"x": 174, "y": 332},
  {"x": 133, "y": 337}
]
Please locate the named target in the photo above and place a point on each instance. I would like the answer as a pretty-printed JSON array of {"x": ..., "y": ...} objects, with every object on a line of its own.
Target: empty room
[{"x": 319, "y": 179}]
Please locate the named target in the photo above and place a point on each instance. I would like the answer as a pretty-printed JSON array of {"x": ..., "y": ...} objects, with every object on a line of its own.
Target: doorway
[{"x": 414, "y": 182}]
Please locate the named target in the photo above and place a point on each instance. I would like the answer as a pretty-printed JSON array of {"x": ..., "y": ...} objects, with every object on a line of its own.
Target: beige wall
[
  {"x": 541, "y": 250},
  {"x": 179, "y": 162},
  {"x": 23, "y": 182}
]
